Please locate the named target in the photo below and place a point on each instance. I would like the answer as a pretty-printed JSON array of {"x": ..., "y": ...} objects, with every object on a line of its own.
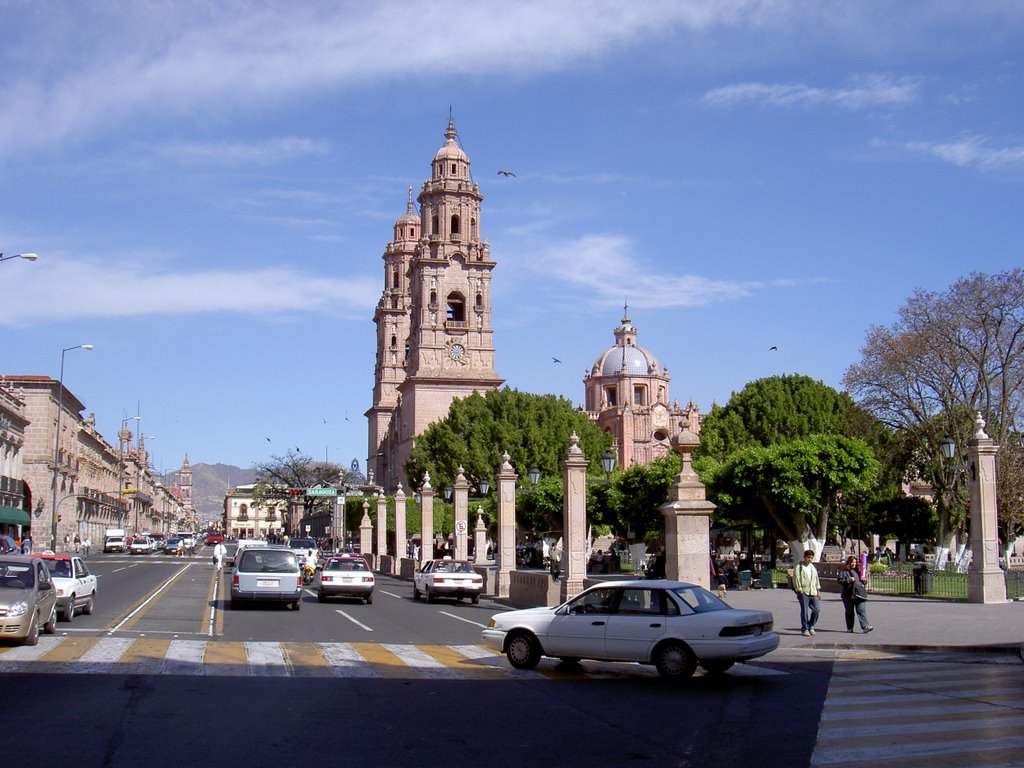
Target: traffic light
[{"x": 294, "y": 491}]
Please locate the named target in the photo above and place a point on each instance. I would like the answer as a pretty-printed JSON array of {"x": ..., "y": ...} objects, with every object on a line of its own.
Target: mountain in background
[{"x": 210, "y": 483}]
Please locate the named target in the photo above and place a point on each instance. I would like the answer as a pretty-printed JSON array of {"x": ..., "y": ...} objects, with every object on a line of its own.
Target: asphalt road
[{"x": 164, "y": 673}]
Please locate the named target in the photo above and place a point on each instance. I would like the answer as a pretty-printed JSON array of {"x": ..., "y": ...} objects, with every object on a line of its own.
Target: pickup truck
[{"x": 76, "y": 587}]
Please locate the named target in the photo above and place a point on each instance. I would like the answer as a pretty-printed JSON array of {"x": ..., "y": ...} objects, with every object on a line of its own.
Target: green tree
[
  {"x": 533, "y": 429},
  {"x": 636, "y": 495},
  {"x": 294, "y": 470}
]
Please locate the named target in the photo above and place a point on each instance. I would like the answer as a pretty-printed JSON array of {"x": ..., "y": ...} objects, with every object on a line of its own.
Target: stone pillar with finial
[
  {"x": 426, "y": 520},
  {"x": 574, "y": 519},
  {"x": 382, "y": 526},
  {"x": 366, "y": 532},
  {"x": 460, "y": 515},
  {"x": 687, "y": 519},
  {"x": 400, "y": 535},
  {"x": 505, "y": 555},
  {"x": 480, "y": 537},
  {"x": 985, "y": 580}
]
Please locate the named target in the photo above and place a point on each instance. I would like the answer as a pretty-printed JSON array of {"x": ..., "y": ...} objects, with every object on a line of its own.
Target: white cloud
[
  {"x": 243, "y": 153},
  {"x": 860, "y": 93},
  {"x": 55, "y": 289},
  {"x": 605, "y": 266},
  {"x": 971, "y": 152}
]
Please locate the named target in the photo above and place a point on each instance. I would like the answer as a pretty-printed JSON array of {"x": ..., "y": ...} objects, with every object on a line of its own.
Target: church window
[
  {"x": 638, "y": 395},
  {"x": 662, "y": 397},
  {"x": 455, "y": 169},
  {"x": 479, "y": 301},
  {"x": 660, "y": 435},
  {"x": 394, "y": 341},
  {"x": 455, "y": 225},
  {"x": 394, "y": 279},
  {"x": 433, "y": 298},
  {"x": 434, "y": 229},
  {"x": 610, "y": 396},
  {"x": 472, "y": 228},
  {"x": 456, "y": 307}
]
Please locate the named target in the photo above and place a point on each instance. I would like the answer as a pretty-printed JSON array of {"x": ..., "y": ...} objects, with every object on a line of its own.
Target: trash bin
[
  {"x": 767, "y": 582},
  {"x": 922, "y": 579},
  {"x": 746, "y": 579}
]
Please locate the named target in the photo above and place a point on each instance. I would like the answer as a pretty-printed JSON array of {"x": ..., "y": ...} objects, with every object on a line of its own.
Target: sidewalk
[{"x": 902, "y": 624}]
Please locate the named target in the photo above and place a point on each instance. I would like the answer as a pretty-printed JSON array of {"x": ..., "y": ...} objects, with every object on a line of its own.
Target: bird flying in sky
[
  {"x": 267, "y": 439},
  {"x": 773, "y": 348},
  {"x": 506, "y": 173},
  {"x": 555, "y": 359}
]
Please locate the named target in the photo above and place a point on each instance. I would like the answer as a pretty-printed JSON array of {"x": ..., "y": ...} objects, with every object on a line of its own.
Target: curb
[{"x": 993, "y": 650}]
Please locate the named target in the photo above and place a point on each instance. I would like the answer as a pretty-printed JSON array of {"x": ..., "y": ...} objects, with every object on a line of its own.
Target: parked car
[
  {"x": 447, "y": 578},
  {"x": 76, "y": 587},
  {"x": 671, "y": 624},
  {"x": 141, "y": 545},
  {"x": 267, "y": 574},
  {"x": 28, "y": 599},
  {"x": 346, "y": 576}
]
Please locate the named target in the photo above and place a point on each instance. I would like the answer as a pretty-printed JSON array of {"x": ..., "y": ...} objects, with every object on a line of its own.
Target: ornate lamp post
[{"x": 56, "y": 444}]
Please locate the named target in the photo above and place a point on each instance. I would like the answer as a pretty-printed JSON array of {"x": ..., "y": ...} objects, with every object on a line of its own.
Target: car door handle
[
  {"x": 655, "y": 626},
  {"x": 596, "y": 623}
]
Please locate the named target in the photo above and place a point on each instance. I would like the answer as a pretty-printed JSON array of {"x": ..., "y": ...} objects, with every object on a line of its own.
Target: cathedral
[{"x": 435, "y": 342}]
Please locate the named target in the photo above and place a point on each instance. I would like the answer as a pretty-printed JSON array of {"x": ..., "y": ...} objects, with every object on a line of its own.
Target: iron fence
[{"x": 910, "y": 579}]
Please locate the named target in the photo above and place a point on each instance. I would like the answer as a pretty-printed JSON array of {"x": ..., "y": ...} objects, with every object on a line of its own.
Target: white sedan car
[
  {"x": 671, "y": 624},
  {"x": 447, "y": 578}
]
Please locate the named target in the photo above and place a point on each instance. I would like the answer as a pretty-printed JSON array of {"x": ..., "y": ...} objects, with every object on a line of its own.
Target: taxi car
[
  {"x": 269, "y": 574},
  {"x": 673, "y": 625},
  {"x": 76, "y": 587},
  {"x": 28, "y": 599},
  {"x": 447, "y": 578},
  {"x": 346, "y": 576}
]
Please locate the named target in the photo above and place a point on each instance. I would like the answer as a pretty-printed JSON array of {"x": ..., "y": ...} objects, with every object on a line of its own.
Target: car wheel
[
  {"x": 369, "y": 599},
  {"x": 296, "y": 605},
  {"x": 235, "y": 605},
  {"x": 476, "y": 599},
  {"x": 717, "y": 667},
  {"x": 523, "y": 651},
  {"x": 87, "y": 608},
  {"x": 674, "y": 661},
  {"x": 32, "y": 638},
  {"x": 321, "y": 597},
  {"x": 69, "y": 609},
  {"x": 430, "y": 595},
  {"x": 50, "y": 627}
]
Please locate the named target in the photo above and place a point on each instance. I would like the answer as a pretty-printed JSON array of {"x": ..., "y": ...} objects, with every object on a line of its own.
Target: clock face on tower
[{"x": 456, "y": 352}]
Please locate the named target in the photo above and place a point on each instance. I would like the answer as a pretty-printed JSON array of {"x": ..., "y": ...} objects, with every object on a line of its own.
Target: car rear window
[
  {"x": 268, "y": 561},
  {"x": 347, "y": 565},
  {"x": 699, "y": 599},
  {"x": 302, "y": 544},
  {"x": 452, "y": 566}
]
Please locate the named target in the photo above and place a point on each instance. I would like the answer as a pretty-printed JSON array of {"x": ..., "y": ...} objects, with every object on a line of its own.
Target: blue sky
[{"x": 210, "y": 187}]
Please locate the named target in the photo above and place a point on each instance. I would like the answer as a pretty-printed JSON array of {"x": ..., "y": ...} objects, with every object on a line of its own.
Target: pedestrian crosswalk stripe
[
  {"x": 961, "y": 714},
  {"x": 149, "y": 656}
]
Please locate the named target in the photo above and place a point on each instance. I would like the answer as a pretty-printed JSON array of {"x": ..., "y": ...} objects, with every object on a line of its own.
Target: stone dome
[{"x": 627, "y": 359}]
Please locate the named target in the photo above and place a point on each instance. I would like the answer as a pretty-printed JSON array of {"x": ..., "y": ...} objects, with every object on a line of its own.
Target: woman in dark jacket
[{"x": 854, "y": 594}]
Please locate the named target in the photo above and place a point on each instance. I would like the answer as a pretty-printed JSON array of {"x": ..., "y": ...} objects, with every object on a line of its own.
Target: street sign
[{"x": 321, "y": 491}]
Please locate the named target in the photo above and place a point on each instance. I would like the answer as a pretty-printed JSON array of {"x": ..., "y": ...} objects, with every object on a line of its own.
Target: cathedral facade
[
  {"x": 435, "y": 342},
  {"x": 627, "y": 394}
]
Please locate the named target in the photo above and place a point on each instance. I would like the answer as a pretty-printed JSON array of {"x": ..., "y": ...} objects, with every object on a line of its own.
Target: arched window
[
  {"x": 433, "y": 298},
  {"x": 479, "y": 300},
  {"x": 455, "y": 224},
  {"x": 472, "y": 229},
  {"x": 455, "y": 169},
  {"x": 394, "y": 341},
  {"x": 394, "y": 279},
  {"x": 434, "y": 229},
  {"x": 456, "y": 307}
]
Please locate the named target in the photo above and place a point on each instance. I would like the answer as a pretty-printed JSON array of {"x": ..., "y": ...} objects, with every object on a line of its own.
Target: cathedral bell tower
[{"x": 434, "y": 336}]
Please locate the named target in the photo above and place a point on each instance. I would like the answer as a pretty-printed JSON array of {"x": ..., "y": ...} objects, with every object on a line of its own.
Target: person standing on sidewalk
[
  {"x": 854, "y": 594},
  {"x": 807, "y": 587}
]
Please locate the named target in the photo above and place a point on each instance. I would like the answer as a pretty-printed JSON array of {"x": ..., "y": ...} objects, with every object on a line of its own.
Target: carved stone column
[
  {"x": 400, "y": 535},
  {"x": 480, "y": 537},
  {"x": 574, "y": 519},
  {"x": 382, "y": 525},
  {"x": 426, "y": 520},
  {"x": 985, "y": 580},
  {"x": 366, "y": 531},
  {"x": 460, "y": 522},
  {"x": 687, "y": 519},
  {"x": 505, "y": 555}
]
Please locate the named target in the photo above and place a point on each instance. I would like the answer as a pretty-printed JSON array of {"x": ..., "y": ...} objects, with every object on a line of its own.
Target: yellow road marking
[
  {"x": 228, "y": 658},
  {"x": 383, "y": 661},
  {"x": 70, "y": 649},
  {"x": 144, "y": 650},
  {"x": 305, "y": 659},
  {"x": 455, "y": 660}
]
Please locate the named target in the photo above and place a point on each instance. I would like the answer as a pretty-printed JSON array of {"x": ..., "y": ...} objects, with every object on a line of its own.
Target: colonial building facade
[
  {"x": 434, "y": 336},
  {"x": 627, "y": 394}
]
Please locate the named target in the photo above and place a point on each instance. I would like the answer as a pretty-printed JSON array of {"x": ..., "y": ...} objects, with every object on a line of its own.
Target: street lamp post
[
  {"x": 25, "y": 256},
  {"x": 56, "y": 444}
]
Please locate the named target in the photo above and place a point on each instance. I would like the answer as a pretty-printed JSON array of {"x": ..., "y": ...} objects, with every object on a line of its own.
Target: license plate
[
  {"x": 267, "y": 582},
  {"x": 347, "y": 579}
]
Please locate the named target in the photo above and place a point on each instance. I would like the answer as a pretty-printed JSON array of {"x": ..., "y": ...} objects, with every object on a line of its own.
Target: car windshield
[
  {"x": 16, "y": 576},
  {"x": 268, "y": 561},
  {"x": 58, "y": 567},
  {"x": 347, "y": 565},
  {"x": 452, "y": 566},
  {"x": 699, "y": 599}
]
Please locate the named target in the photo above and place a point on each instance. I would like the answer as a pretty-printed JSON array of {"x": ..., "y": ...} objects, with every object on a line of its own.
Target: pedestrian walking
[
  {"x": 86, "y": 546},
  {"x": 78, "y": 543},
  {"x": 219, "y": 550},
  {"x": 26, "y": 545},
  {"x": 854, "y": 595},
  {"x": 555, "y": 557},
  {"x": 807, "y": 587},
  {"x": 723, "y": 582}
]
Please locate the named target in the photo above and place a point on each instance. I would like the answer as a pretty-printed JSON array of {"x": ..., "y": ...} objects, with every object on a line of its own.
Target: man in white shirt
[{"x": 807, "y": 587}]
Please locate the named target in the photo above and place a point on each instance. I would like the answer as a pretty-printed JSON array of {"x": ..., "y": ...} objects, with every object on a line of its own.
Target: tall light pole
[
  {"x": 26, "y": 256},
  {"x": 56, "y": 445}
]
